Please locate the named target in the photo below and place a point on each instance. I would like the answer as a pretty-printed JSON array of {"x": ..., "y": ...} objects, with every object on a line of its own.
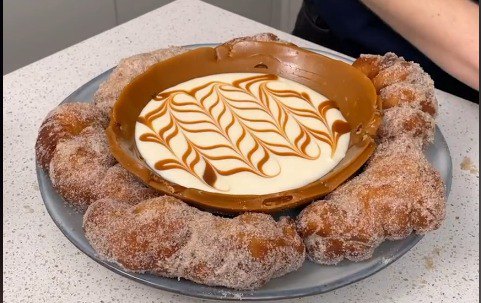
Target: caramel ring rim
[{"x": 362, "y": 144}]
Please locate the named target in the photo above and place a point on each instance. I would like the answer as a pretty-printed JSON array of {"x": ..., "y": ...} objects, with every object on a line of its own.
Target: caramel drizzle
[{"x": 265, "y": 99}]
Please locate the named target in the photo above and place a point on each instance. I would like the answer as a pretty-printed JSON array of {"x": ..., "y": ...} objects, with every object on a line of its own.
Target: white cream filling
[{"x": 233, "y": 119}]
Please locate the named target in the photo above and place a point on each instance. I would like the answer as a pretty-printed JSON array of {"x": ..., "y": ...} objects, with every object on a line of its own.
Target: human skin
[{"x": 447, "y": 31}]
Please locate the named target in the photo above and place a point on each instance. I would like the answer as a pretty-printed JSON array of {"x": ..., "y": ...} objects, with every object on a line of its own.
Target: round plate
[{"x": 310, "y": 279}]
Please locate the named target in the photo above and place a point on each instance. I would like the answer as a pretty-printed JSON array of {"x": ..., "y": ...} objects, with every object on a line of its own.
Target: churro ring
[
  {"x": 83, "y": 170},
  {"x": 399, "y": 82},
  {"x": 167, "y": 237},
  {"x": 397, "y": 194},
  {"x": 120, "y": 185}
]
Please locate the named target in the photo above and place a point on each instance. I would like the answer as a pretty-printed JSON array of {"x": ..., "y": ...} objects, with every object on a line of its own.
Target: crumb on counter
[{"x": 467, "y": 164}]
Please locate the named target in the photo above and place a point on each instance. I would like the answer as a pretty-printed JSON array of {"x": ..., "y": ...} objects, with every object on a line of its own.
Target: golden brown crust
[
  {"x": 398, "y": 72},
  {"x": 167, "y": 237},
  {"x": 370, "y": 65},
  {"x": 127, "y": 69}
]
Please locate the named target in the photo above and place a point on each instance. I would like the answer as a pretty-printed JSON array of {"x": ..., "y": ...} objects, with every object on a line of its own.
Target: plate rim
[{"x": 232, "y": 295}]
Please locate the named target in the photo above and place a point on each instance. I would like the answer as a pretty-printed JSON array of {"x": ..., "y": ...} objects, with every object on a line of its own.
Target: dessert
[
  {"x": 106, "y": 171},
  {"x": 83, "y": 170},
  {"x": 399, "y": 191},
  {"x": 65, "y": 122},
  {"x": 404, "y": 120},
  {"x": 122, "y": 186},
  {"x": 241, "y": 133},
  {"x": 247, "y": 157},
  {"x": 398, "y": 82},
  {"x": 78, "y": 164},
  {"x": 167, "y": 237},
  {"x": 126, "y": 70}
]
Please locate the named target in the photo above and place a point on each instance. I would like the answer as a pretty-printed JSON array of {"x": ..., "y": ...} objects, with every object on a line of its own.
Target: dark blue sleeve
[
  {"x": 352, "y": 22},
  {"x": 359, "y": 30}
]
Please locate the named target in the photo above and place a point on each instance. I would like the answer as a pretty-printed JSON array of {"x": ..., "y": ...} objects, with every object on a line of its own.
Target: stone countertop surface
[{"x": 41, "y": 265}]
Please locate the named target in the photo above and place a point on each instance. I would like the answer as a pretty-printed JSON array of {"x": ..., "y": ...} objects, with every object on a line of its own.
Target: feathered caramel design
[{"x": 250, "y": 122}]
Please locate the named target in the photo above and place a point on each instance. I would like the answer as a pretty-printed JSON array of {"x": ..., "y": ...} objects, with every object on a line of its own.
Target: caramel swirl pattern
[{"x": 250, "y": 122}]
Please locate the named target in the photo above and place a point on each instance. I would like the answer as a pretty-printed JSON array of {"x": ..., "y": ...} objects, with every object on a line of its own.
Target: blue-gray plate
[{"x": 310, "y": 279}]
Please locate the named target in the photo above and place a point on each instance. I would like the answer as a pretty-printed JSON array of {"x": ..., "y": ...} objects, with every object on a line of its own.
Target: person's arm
[{"x": 447, "y": 31}]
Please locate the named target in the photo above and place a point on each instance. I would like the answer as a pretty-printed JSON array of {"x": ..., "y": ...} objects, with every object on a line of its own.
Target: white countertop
[{"x": 41, "y": 265}]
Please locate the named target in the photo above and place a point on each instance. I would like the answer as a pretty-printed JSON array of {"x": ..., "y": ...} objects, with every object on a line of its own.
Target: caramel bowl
[{"x": 352, "y": 92}]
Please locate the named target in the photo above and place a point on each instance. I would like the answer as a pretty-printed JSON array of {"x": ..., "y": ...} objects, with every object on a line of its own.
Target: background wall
[{"x": 33, "y": 29}]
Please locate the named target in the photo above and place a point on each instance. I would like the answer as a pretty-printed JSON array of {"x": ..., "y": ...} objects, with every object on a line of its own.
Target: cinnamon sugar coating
[
  {"x": 402, "y": 121},
  {"x": 406, "y": 93},
  {"x": 398, "y": 193},
  {"x": 64, "y": 122},
  {"x": 83, "y": 170},
  {"x": 399, "y": 82},
  {"x": 167, "y": 237},
  {"x": 79, "y": 164},
  {"x": 119, "y": 184},
  {"x": 414, "y": 95}
]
